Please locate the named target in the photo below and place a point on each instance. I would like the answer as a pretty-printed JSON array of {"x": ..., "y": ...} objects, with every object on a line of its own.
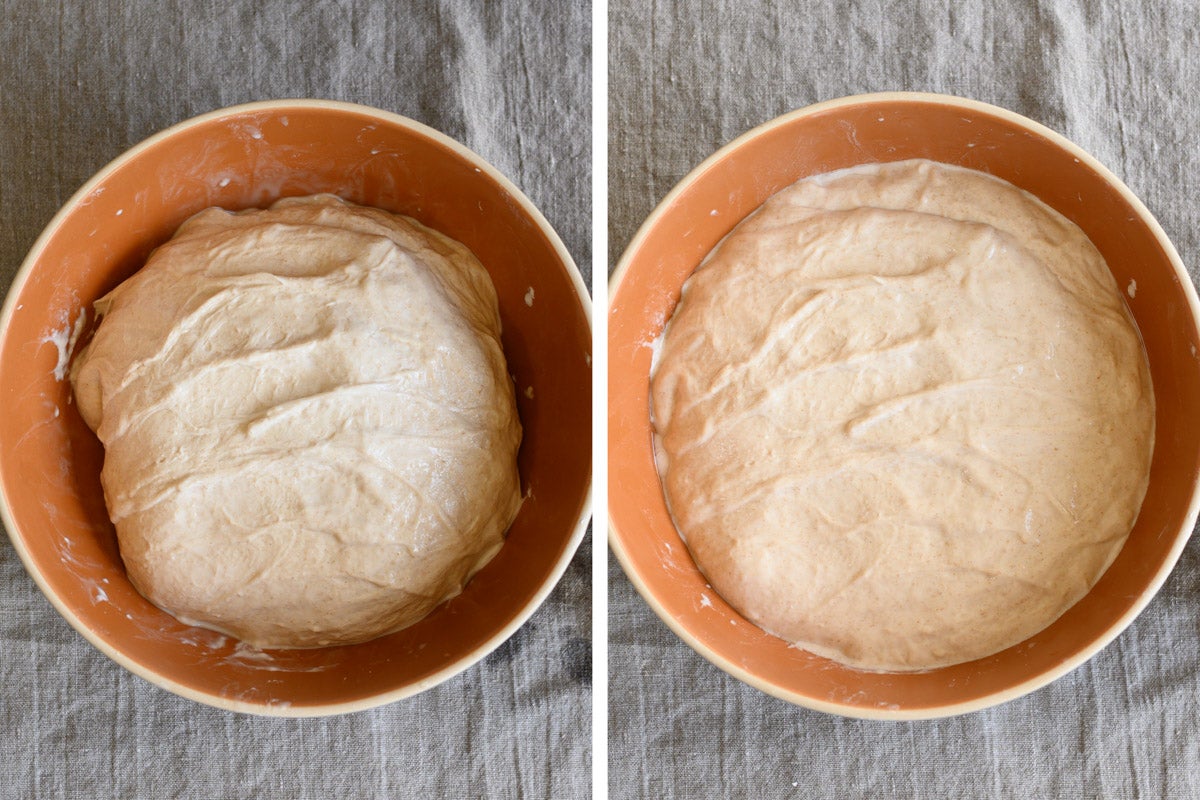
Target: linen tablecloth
[
  {"x": 81, "y": 82},
  {"x": 1119, "y": 79}
]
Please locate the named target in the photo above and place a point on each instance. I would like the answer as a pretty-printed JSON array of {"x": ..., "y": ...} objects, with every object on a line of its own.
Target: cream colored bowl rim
[
  {"x": 450, "y": 670},
  {"x": 1043, "y": 678}
]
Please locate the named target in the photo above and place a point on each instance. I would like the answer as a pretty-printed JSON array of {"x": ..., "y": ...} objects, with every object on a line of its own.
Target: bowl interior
[
  {"x": 248, "y": 157},
  {"x": 879, "y": 129}
]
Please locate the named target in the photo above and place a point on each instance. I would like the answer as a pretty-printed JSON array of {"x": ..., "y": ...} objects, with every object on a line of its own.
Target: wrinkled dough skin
[
  {"x": 903, "y": 418},
  {"x": 310, "y": 432}
]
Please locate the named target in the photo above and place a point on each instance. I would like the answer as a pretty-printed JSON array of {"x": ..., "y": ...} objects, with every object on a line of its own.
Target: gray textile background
[
  {"x": 1120, "y": 79},
  {"x": 80, "y": 82}
]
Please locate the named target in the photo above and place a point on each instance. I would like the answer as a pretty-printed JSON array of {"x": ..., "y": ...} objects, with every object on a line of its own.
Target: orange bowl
[
  {"x": 727, "y": 187},
  {"x": 50, "y": 495}
]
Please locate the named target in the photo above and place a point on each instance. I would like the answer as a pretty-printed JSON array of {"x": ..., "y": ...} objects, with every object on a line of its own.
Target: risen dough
[
  {"x": 902, "y": 416},
  {"x": 310, "y": 432}
]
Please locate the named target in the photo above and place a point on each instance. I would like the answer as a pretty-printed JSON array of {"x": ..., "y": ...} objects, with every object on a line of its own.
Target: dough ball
[
  {"x": 902, "y": 416},
  {"x": 310, "y": 432}
]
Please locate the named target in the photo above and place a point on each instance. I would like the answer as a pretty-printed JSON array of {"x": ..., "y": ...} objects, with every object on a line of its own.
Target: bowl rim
[
  {"x": 615, "y": 537},
  {"x": 453, "y": 668}
]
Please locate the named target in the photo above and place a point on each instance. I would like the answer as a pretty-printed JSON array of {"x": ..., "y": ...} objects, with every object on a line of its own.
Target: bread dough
[
  {"x": 310, "y": 432},
  {"x": 902, "y": 416}
]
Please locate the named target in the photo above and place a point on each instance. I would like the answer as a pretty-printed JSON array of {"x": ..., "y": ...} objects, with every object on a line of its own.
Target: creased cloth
[
  {"x": 81, "y": 82},
  {"x": 1117, "y": 78}
]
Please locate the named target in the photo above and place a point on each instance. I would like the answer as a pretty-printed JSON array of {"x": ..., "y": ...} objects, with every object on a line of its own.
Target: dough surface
[
  {"x": 902, "y": 416},
  {"x": 310, "y": 432}
]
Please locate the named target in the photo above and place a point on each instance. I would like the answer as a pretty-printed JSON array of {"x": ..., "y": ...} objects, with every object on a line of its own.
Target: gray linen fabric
[
  {"x": 1120, "y": 79},
  {"x": 80, "y": 82}
]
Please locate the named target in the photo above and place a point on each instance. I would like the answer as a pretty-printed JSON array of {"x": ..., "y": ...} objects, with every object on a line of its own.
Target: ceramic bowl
[
  {"x": 879, "y": 128},
  {"x": 249, "y": 156}
]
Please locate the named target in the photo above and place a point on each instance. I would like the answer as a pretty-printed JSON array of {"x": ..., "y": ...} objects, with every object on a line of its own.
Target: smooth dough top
[
  {"x": 310, "y": 431},
  {"x": 902, "y": 416}
]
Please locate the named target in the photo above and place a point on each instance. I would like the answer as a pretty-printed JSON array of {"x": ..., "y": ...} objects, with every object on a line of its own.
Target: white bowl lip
[
  {"x": 450, "y": 670},
  {"x": 1037, "y": 681}
]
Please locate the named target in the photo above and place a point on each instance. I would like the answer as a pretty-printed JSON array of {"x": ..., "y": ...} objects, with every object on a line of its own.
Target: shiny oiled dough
[
  {"x": 310, "y": 432},
  {"x": 902, "y": 416}
]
